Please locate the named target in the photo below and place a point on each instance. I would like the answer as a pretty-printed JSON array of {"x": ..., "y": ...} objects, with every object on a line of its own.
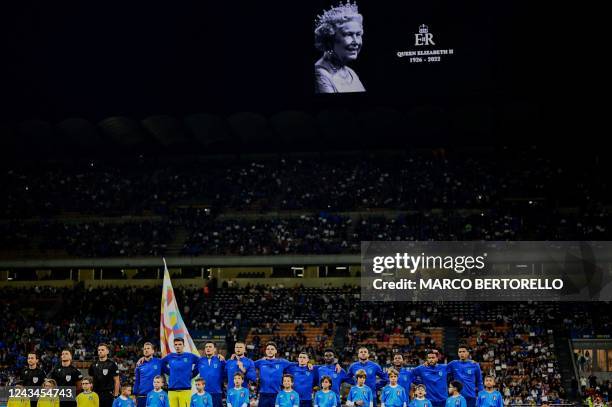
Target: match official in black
[
  {"x": 66, "y": 375},
  {"x": 105, "y": 373},
  {"x": 32, "y": 375}
]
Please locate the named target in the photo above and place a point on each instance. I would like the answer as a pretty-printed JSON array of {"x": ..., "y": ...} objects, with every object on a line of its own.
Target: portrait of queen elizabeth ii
[{"x": 339, "y": 36}]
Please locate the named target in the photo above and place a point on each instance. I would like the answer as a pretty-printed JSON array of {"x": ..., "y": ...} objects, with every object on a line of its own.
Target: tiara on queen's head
[{"x": 339, "y": 12}]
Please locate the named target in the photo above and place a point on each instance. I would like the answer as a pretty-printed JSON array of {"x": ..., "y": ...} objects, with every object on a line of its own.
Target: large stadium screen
[{"x": 398, "y": 51}]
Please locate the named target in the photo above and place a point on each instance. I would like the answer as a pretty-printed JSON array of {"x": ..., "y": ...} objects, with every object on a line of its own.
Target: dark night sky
[{"x": 97, "y": 60}]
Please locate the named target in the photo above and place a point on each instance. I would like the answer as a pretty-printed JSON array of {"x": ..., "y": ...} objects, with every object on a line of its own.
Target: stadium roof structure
[
  {"x": 167, "y": 130},
  {"x": 249, "y": 126},
  {"x": 377, "y": 127},
  {"x": 294, "y": 125},
  {"x": 123, "y": 131},
  {"x": 207, "y": 129},
  {"x": 80, "y": 132}
]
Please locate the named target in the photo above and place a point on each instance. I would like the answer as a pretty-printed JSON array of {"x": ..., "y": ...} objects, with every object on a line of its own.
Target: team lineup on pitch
[{"x": 219, "y": 381}]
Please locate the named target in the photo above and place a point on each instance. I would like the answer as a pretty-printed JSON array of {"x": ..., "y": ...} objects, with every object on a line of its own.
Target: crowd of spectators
[
  {"x": 97, "y": 238},
  {"x": 415, "y": 180},
  {"x": 49, "y": 319},
  {"x": 98, "y": 188},
  {"x": 100, "y": 239},
  {"x": 585, "y": 322},
  {"x": 307, "y": 233},
  {"x": 321, "y": 203},
  {"x": 596, "y": 391},
  {"x": 518, "y": 348},
  {"x": 321, "y": 234}
]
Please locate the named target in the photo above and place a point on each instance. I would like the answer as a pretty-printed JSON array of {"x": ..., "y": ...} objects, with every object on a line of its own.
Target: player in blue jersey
[
  {"x": 393, "y": 395},
  {"x": 270, "y": 371},
  {"x": 489, "y": 397},
  {"x": 434, "y": 376},
  {"x": 455, "y": 398},
  {"x": 124, "y": 399},
  {"x": 360, "y": 395},
  {"x": 304, "y": 379},
  {"x": 405, "y": 373},
  {"x": 468, "y": 373},
  {"x": 326, "y": 397},
  {"x": 287, "y": 397},
  {"x": 419, "y": 399},
  {"x": 238, "y": 396},
  {"x": 181, "y": 367},
  {"x": 241, "y": 364},
  {"x": 201, "y": 398},
  {"x": 211, "y": 368},
  {"x": 145, "y": 373},
  {"x": 373, "y": 370},
  {"x": 332, "y": 370},
  {"x": 157, "y": 397}
]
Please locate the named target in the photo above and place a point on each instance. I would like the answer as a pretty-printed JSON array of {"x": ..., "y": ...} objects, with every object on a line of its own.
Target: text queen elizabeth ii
[{"x": 339, "y": 35}]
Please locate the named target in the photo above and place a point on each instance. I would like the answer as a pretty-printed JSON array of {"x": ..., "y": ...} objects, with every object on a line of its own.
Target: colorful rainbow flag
[{"x": 171, "y": 325}]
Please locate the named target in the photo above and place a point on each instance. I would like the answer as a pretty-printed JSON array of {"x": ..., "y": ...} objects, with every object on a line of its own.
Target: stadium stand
[{"x": 290, "y": 205}]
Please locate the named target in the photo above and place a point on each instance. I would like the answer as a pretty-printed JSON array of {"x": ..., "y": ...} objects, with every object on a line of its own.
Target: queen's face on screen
[
  {"x": 339, "y": 36},
  {"x": 348, "y": 41}
]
